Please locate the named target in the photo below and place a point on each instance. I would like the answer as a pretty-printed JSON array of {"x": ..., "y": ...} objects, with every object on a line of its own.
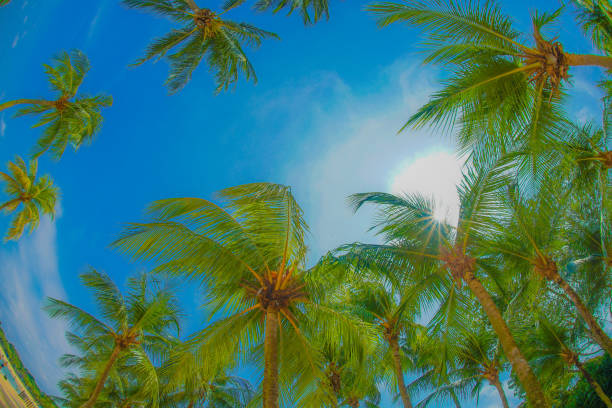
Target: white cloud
[
  {"x": 351, "y": 145},
  {"x": 443, "y": 173},
  {"x": 29, "y": 271},
  {"x": 15, "y": 40},
  {"x": 2, "y": 125}
]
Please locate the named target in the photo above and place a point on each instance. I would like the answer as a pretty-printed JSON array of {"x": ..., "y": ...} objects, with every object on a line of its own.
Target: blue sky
[{"x": 322, "y": 118}]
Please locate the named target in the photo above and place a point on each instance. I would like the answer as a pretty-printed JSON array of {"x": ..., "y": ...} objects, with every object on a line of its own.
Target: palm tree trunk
[
  {"x": 10, "y": 104},
  {"x": 596, "y": 331},
  {"x": 521, "y": 367},
  {"x": 594, "y": 384},
  {"x": 455, "y": 400},
  {"x": 587, "y": 59},
  {"x": 399, "y": 373},
  {"x": 100, "y": 384},
  {"x": 497, "y": 384},
  {"x": 270, "y": 381}
]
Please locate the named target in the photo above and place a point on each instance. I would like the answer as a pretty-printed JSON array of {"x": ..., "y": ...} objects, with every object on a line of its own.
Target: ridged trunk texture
[
  {"x": 588, "y": 59},
  {"x": 399, "y": 373},
  {"x": 270, "y": 380},
  {"x": 520, "y": 366}
]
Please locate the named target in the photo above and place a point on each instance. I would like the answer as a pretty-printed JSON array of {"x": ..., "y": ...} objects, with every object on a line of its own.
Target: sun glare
[{"x": 435, "y": 175}]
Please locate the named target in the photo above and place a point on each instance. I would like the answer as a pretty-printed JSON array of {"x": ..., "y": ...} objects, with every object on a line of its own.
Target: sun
[{"x": 436, "y": 175}]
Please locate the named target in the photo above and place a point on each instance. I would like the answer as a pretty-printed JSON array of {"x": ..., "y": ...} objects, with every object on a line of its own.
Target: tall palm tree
[
  {"x": 501, "y": 92},
  {"x": 250, "y": 255},
  {"x": 530, "y": 235},
  {"x": 203, "y": 33},
  {"x": 70, "y": 119},
  {"x": 132, "y": 325},
  {"x": 35, "y": 196},
  {"x": 554, "y": 355},
  {"x": 414, "y": 237}
]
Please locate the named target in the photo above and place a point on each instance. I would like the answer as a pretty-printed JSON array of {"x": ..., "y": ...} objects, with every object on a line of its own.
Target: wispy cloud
[
  {"x": 351, "y": 144},
  {"x": 2, "y": 125},
  {"x": 15, "y": 41},
  {"x": 94, "y": 21},
  {"x": 30, "y": 273}
]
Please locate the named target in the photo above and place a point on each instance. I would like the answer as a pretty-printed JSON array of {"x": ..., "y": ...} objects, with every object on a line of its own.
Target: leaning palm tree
[
  {"x": 250, "y": 255},
  {"x": 414, "y": 237},
  {"x": 132, "y": 325},
  {"x": 530, "y": 236},
  {"x": 501, "y": 92},
  {"x": 203, "y": 33},
  {"x": 35, "y": 196},
  {"x": 70, "y": 119},
  {"x": 554, "y": 356}
]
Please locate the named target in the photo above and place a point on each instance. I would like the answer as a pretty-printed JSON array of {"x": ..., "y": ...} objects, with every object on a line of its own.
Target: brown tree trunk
[
  {"x": 521, "y": 367},
  {"x": 270, "y": 380},
  {"x": 100, "y": 384},
  {"x": 502, "y": 394},
  {"x": 594, "y": 384},
  {"x": 588, "y": 59},
  {"x": 399, "y": 373},
  {"x": 10, "y": 104},
  {"x": 596, "y": 331}
]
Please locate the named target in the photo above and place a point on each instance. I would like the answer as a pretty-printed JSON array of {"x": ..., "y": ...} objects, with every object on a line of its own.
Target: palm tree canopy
[
  {"x": 35, "y": 196},
  {"x": 71, "y": 119},
  {"x": 501, "y": 95},
  {"x": 136, "y": 324},
  {"x": 201, "y": 33},
  {"x": 250, "y": 255}
]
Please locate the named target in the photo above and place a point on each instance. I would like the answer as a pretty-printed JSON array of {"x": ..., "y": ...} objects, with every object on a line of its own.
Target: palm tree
[
  {"x": 185, "y": 382},
  {"x": 250, "y": 255},
  {"x": 4, "y": 2},
  {"x": 139, "y": 321},
  {"x": 595, "y": 17},
  {"x": 70, "y": 119},
  {"x": 530, "y": 236},
  {"x": 34, "y": 196},
  {"x": 414, "y": 237},
  {"x": 504, "y": 93},
  {"x": 202, "y": 33},
  {"x": 311, "y": 10},
  {"x": 380, "y": 303},
  {"x": 554, "y": 355}
]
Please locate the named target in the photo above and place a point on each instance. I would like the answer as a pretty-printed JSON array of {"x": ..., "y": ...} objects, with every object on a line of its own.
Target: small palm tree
[
  {"x": 414, "y": 237},
  {"x": 203, "y": 33},
  {"x": 34, "y": 196},
  {"x": 393, "y": 312},
  {"x": 250, "y": 255},
  {"x": 504, "y": 93},
  {"x": 132, "y": 324},
  {"x": 187, "y": 383},
  {"x": 70, "y": 119}
]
